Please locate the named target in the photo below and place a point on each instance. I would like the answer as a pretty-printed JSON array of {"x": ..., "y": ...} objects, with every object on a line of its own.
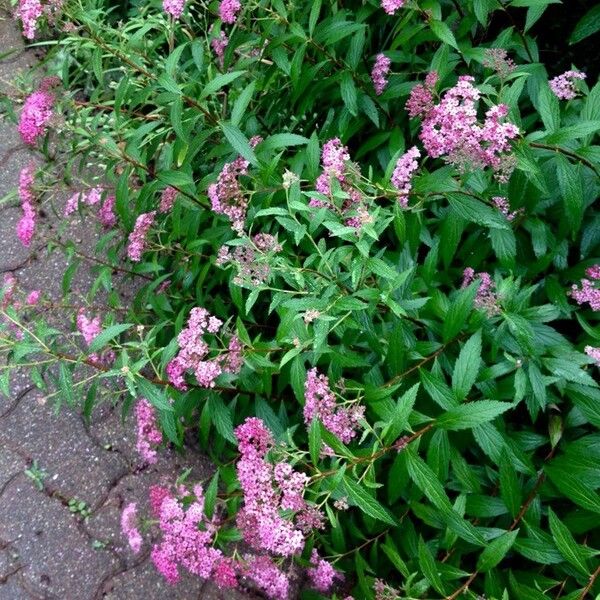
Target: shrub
[{"x": 369, "y": 253}]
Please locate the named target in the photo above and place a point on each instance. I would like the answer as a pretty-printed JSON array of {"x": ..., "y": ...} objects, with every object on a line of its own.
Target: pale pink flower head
[
  {"x": 485, "y": 298},
  {"x": 563, "y": 85},
  {"x": 587, "y": 291},
  {"x": 379, "y": 74},
  {"x": 321, "y": 573},
  {"x": 420, "y": 100},
  {"x": 107, "y": 213},
  {"x": 137, "y": 238},
  {"x": 174, "y": 7},
  {"x": 26, "y": 225},
  {"x": 129, "y": 527},
  {"x": 89, "y": 328},
  {"x": 268, "y": 577},
  {"x": 401, "y": 177},
  {"x": 228, "y": 10},
  {"x": 29, "y": 11},
  {"x": 167, "y": 199},
  {"x": 35, "y": 116},
  {"x": 391, "y": 6},
  {"x": 593, "y": 353},
  {"x": 33, "y": 298}
]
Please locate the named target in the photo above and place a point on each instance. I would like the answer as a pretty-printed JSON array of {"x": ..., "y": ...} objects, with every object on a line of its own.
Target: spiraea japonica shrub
[{"x": 368, "y": 253}]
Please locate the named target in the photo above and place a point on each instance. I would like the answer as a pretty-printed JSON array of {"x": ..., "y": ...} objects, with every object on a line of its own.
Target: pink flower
[
  {"x": 380, "y": 72},
  {"x": 391, "y": 6},
  {"x": 129, "y": 528},
  {"x": 228, "y": 10},
  {"x": 225, "y": 573},
  {"x": 268, "y": 577},
  {"x": 593, "y": 353},
  {"x": 501, "y": 203},
  {"x": 107, "y": 213},
  {"x": 420, "y": 101},
  {"x": 167, "y": 199},
  {"x": 89, "y": 328},
  {"x": 563, "y": 85},
  {"x": 26, "y": 225},
  {"x": 33, "y": 297},
  {"x": 321, "y": 573},
  {"x": 174, "y": 7},
  {"x": 35, "y": 116},
  {"x": 157, "y": 494},
  {"x": 219, "y": 44},
  {"x": 405, "y": 167},
  {"x": 485, "y": 298},
  {"x": 137, "y": 238},
  {"x": 29, "y": 11},
  {"x": 148, "y": 433},
  {"x": 320, "y": 403},
  {"x": 588, "y": 292},
  {"x": 451, "y": 129}
]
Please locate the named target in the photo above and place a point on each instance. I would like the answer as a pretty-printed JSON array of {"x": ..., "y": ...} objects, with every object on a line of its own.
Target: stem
[
  {"x": 590, "y": 583},
  {"x": 568, "y": 153}
]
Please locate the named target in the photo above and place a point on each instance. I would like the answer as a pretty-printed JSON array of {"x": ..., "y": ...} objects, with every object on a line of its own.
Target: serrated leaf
[
  {"x": 466, "y": 367},
  {"x": 496, "y": 550},
  {"x": 108, "y": 334},
  {"x": 314, "y": 441},
  {"x": 239, "y": 142},
  {"x": 472, "y": 414},
  {"x": 443, "y": 32},
  {"x": 218, "y": 82},
  {"x": 155, "y": 395},
  {"x": 566, "y": 544},
  {"x": 367, "y": 503}
]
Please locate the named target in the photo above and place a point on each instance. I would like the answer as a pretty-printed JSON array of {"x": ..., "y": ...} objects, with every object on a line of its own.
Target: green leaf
[
  {"x": 443, "y": 32},
  {"x": 566, "y": 544},
  {"x": 472, "y": 414},
  {"x": 425, "y": 479},
  {"x": 155, "y": 395},
  {"x": 587, "y": 25},
  {"x": 510, "y": 490},
  {"x": 367, "y": 503},
  {"x": 218, "y": 82},
  {"x": 429, "y": 568},
  {"x": 65, "y": 381},
  {"x": 283, "y": 140},
  {"x": 461, "y": 306},
  {"x": 239, "y": 142},
  {"x": 108, "y": 334},
  {"x": 496, "y": 550},
  {"x": 571, "y": 188},
  {"x": 466, "y": 367},
  {"x": 314, "y": 441},
  {"x": 221, "y": 417},
  {"x": 402, "y": 410},
  {"x": 476, "y": 211},
  {"x": 241, "y": 104},
  {"x": 210, "y": 495},
  {"x": 348, "y": 91},
  {"x": 571, "y": 486}
]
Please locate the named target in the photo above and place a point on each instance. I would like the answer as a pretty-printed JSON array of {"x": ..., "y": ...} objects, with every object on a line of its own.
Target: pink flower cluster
[
  {"x": 501, "y": 203},
  {"x": 129, "y": 527},
  {"x": 451, "y": 129},
  {"x": 563, "y": 85},
  {"x": 267, "y": 576},
  {"x": 29, "y": 11},
  {"x": 593, "y": 353},
  {"x": 186, "y": 539},
  {"x": 334, "y": 161},
  {"x": 193, "y": 352},
  {"x": 167, "y": 199},
  {"x": 26, "y": 225},
  {"x": 321, "y": 573},
  {"x": 107, "y": 215},
  {"x": 405, "y": 167},
  {"x": 497, "y": 59},
  {"x": 89, "y": 197},
  {"x": 486, "y": 298},
  {"x": 89, "y": 328},
  {"x": 228, "y": 10},
  {"x": 148, "y": 433},
  {"x": 588, "y": 292},
  {"x": 268, "y": 490},
  {"x": 174, "y": 7},
  {"x": 379, "y": 74},
  {"x": 137, "y": 238},
  {"x": 226, "y": 196},
  {"x": 219, "y": 44},
  {"x": 391, "y": 6},
  {"x": 251, "y": 259},
  {"x": 35, "y": 116},
  {"x": 420, "y": 102},
  {"x": 320, "y": 403}
]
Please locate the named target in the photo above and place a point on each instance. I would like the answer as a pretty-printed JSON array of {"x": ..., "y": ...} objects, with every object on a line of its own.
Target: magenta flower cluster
[
  {"x": 226, "y": 195},
  {"x": 228, "y": 10},
  {"x": 26, "y": 224},
  {"x": 405, "y": 167},
  {"x": 148, "y": 432},
  {"x": 320, "y": 403},
  {"x": 321, "y": 573},
  {"x": 219, "y": 45},
  {"x": 587, "y": 291},
  {"x": 451, "y": 129},
  {"x": 485, "y": 298},
  {"x": 501, "y": 203},
  {"x": 167, "y": 199},
  {"x": 379, "y": 74},
  {"x": 174, "y": 7},
  {"x": 137, "y": 238},
  {"x": 421, "y": 101},
  {"x": 35, "y": 116},
  {"x": 593, "y": 353},
  {"x": 563, "y": 85},
  {"x": 391, "y": 6},
  {"x": 89, "y": 328},
  {"x": 193, "y": 352}
]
